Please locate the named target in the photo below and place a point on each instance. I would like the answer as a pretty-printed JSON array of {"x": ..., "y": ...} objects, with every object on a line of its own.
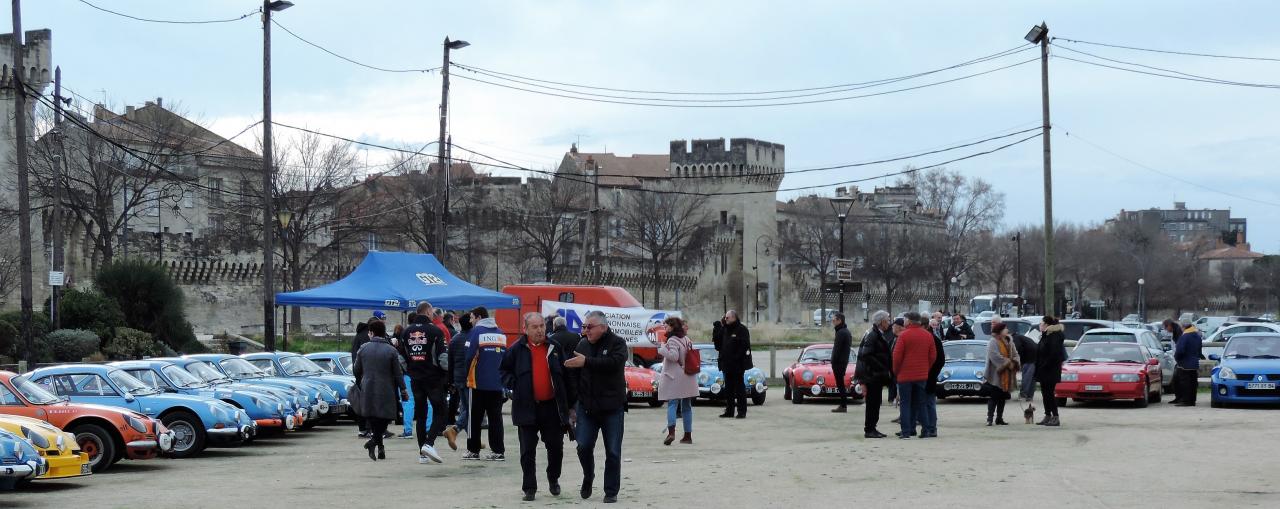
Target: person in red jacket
[{"x": 913, "y": 355}]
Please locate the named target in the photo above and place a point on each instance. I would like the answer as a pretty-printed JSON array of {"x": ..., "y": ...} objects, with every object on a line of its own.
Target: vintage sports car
[
  {"x": 964, "y": 368},
  {"x": 106, "y": 434},
  {"x": 294, "y": 366},
  {"x": 338, "y": 363},
  {"x": 711, "y": 380},
  {"x": 265, "y": 410},
  {"x": 19, "y": 461},
  {"x": 811, "y": 376},
  {"x": 296, "y": 401},
  {"x": 322, "y": 398},
  {"x": 642, "y": 385},
  {"x": 1111, "y": 371},
  {"x": 58, "y": 448},
  {"x": 194, "y": 420},
  {"x": 1249, "y": 370}
]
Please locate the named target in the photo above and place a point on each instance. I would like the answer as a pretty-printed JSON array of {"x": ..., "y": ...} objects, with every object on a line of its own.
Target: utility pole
[
  {"x": 442, "y": 180},
  {"x": 1017, "y": 238},
  {"x": 55, "y": 294},
  {"x": 24, "y": 192},
  {"x": 447, "y": 165},
  {"x": 1040, "y": 34},
  {"x": 268, "y": 182}
]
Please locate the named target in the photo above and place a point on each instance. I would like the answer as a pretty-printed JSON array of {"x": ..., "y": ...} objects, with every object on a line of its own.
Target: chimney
[
  {"x": 573, "y": 149},
  {"x": 1179, "y": 205},
  {"x": 128, "y": 111},
  {"x": 160, "y": 102},
  {"x": 842, "y": 191}
]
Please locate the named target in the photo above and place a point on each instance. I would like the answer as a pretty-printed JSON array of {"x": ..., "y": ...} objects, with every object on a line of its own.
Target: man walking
[
  {"x": 458, "y": 403},
  {"x": 1187, "y": 355},
  {"x": 1027, "y": 350},
  {"x": 426, "y": 359},
  {"x": 533, "y": 371},
  {"x": 485, "y": 351},
  {"x": 734, "y": 345},
  {"x": 873, "y": 368},
  {"x": 841, "y": 347},
  {"x": 913, "y": 355},
  {"x": 598, "y": 368}
]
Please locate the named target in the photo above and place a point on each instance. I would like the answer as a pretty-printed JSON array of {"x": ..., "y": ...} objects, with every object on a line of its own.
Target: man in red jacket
[{"x": 913, "y": 355}]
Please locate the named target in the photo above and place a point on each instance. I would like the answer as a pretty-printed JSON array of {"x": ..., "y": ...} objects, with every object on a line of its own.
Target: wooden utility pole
[
  {"x": 1048, "y": 175},
  {"x": 24, "y": 192},
  {"x": 268, "y": 184},
  {"x": 55, "y": 295}
]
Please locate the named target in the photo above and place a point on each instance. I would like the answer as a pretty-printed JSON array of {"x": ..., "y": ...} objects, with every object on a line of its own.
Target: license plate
[
  {"x": 641, "y": 394},
  {"x": 961, "y": 387},
  {"x": 1093, "y": 387},
  {"x": 831, "y": 390},
  {"x": 1260, "y": 385},
  {"x": 85, "y": 469}
]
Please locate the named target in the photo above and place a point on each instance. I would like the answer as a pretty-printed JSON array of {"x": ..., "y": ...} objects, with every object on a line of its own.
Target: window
[
  {"x": 373, "y": 241},
  {"x": 565, "y": 297},
  {"x": 7, "y": 397},
  {"x": 188, "y": 199},
  {"x": 147, "y": 377},
  {"x": 215, "y": 192},
  {"x": 265, "y": 365},
  {"x": 216, "y": 222},
  {"x": 724, "y": 217},
  {"x": 246, "y": 188},
  {"x": 77, "y": 385}
]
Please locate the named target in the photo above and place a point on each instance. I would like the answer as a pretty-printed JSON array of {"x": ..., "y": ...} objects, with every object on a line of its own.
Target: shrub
[
  {"x": 150, "y": 301},
  {"x": 8, "y": 338},
  {"x": 39, "y": 327},
  {"x": 71, "y": 345},
  {"x": 131, "y": 344},
  {"x": 90, "y": 310}
]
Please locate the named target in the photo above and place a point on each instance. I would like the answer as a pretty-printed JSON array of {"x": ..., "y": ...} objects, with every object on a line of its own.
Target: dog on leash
[{"x": 1029, "y": 414}]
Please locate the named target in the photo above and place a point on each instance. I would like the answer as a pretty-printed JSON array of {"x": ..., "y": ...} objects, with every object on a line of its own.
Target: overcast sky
[{"x": 1196, "y": 140}]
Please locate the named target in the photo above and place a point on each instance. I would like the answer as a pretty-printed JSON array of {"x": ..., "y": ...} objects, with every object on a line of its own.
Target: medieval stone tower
[{"x": 38, "y": 62}]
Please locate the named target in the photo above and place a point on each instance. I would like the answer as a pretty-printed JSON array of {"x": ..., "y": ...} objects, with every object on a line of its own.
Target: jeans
[
  {"x": 486, "y": 403},
  {"x": 406, "y": 408},
  {"x": 1028, "y": 391},
  {"x": 1050, "y": 401},
  {"x": 735, "y": 392},
  {"x": 928, "y": 421},
  {"x": 464, "y": 407},
  {"x": 685, "y": 407},
  {"x": 591, "y": 425},
  {"x": 429, "y": 398},
  {"x": 547, "y": 426},
  {"x": 911, "y": 395},
  {"x": 875, "y": 395}
]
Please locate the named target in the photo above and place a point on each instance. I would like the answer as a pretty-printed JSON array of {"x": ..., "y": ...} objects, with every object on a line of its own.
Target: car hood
[
  {"x": 1253, "y": 366},
  {"x": 105, "y": 409},
  {"x": 1104, "y": 367}
]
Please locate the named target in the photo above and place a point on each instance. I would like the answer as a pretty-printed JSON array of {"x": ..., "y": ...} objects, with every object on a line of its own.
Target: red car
[
  {"x": 642, "y": 385},
  {"x": 811, "y": 376},
  {"x": 1111, "y": 371}
]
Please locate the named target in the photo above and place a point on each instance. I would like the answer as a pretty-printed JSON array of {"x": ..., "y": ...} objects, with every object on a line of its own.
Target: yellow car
[{"x": 59, "y": 449}]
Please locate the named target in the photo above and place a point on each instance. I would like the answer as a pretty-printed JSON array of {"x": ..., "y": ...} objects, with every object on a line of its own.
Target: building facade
[{"x": 1182, "y": 225}]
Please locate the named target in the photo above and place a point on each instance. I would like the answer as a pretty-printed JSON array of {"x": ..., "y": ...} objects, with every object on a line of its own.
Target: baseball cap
[{"x": 379, "y": 315}]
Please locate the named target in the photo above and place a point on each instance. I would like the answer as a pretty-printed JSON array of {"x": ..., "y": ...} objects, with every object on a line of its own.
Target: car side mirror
[
  {"x": 1215, "y": 357},
  {"x": 1153, "y": 362},
  {"x": 128, "y": 397}
]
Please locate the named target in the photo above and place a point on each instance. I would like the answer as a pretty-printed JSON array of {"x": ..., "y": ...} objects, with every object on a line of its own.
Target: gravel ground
[{"x": 1103, "y": 456}]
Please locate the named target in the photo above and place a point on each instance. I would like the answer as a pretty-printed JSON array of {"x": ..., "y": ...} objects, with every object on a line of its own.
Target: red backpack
[{"x": 692, "y": 360}]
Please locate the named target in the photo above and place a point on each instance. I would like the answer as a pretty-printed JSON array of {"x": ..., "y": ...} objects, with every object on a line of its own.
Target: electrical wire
[
  {"x": 1171, "y": 52},
  {"x": 1184, "y": 78},
  {"x": 172, "y": 22},
  {"x": 356, "y": 62},
  {"x": 1161, "y": 69}
]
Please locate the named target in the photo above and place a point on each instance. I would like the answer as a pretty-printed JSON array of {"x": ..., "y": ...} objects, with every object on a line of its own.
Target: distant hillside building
[{"x": 1182, "y": 225}]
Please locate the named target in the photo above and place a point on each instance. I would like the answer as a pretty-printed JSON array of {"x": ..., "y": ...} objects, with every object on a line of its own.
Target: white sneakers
[{"x": 430, "y": 452}]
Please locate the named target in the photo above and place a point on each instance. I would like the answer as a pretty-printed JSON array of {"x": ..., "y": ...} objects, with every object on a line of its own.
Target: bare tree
[
  {"x": 546, "y": 221},
  {"x": 810, "y": 239},
  {"x": 967, "y": 206},
  {"x": 665, "y": 228},
  {"x": 891, "y": 255},
  {"x": 9, "y": 261},
  {"x": 1264, "y": 281}
]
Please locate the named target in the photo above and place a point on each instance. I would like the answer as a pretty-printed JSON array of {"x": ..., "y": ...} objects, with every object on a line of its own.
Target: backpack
[{"x": 692, "y": 360}]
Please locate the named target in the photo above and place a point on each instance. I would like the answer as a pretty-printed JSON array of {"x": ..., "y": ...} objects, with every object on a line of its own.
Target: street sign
[
  {"x": 56, "y": 278},
  {"x": 844, "y": 269},
  {"x": 846, "y": 286}
]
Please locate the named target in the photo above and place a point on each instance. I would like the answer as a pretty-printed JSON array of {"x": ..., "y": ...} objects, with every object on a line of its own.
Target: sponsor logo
[
  {"x": 391, "y": 303},
  {"x": 492, "y": 340},
  {"x": 430, "y": 279}
]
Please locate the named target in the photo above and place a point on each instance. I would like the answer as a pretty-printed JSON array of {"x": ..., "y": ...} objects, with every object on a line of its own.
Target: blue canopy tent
[{"x": 398, "y": 281}]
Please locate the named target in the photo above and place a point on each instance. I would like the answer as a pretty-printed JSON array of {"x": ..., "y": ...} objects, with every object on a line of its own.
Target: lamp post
[
  {"x": 843, "y": 199},
  {"x": 1017, "y": 238},
  {"x": 1142, "y": 308},
  {"x": 443, "y": 176},
  {"x": 955, "y": 298},
  {"x": 284, "y": 216},
  {"x": 268, "y": 179},
  {"x": 755, "y": 267},
  {"x": 1039, "y": 34}
]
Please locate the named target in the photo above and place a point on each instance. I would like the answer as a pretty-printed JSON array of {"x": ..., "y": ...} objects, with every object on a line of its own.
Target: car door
[
  {"x": 1157, "y": 350},
  {"x": 1155, "y": 374},
  {"x": 11, "y": 404}
]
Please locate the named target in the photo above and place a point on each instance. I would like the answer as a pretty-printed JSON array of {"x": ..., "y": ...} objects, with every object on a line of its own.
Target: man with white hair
[
  {"x": 598, "y": 367},
  {"x": 875, "y": 361}
]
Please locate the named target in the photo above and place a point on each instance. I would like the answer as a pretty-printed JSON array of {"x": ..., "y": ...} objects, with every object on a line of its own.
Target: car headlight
[
  {"x": 751, "y": 380},
  {"x": 136, "y": 424},
  {"x": 822, "y": 380},
  {"x": 945, "y": 374},
  {"x": 36, "y": 439},
  {"x": 979, "y": 374},
  {"x": 240, "y": 416},
  {"x": 1226, "y": 373},
  {"x": 720, "y": 380},
  {"x": 1070, "y": 377},
  {"x": 703, "y": 378},
  {"x": 807, "y": 376},
  {"x": 1124, "y": 377},
  {"x": 654, "y": 384}
]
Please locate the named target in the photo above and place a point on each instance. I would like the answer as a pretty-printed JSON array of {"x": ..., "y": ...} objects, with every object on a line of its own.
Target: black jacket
[
  {"x": 458, "y": 359},
  {"x": 426, "y": 356},
  {"x": 735, "y": 348},
  {"x": 1027, "y": 349},
  {"x": 1052, "y": 353},
  {"x": 939, "y": 360},
  {"x": 843, "y": 344},
  {"x": 361, "y": 337},
  {"x": 600, "y": 385},
  {"x": 875, "y": 359},
  {"x": 568, "y": 341},
  {"x": 517, "y": 376},
  {"x": 964, "y": 331}
]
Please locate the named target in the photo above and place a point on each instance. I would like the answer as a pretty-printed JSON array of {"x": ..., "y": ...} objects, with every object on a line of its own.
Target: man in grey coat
[{"x": 381, "y": 384}]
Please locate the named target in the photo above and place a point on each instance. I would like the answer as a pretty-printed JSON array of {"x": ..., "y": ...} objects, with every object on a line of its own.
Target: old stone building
[{"x": 37, "y": 56}]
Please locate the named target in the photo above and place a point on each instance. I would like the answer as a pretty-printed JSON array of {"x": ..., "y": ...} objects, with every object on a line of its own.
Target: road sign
[
  {"x": 56, "y": 278},
  {"x": 846, "y": 286}
]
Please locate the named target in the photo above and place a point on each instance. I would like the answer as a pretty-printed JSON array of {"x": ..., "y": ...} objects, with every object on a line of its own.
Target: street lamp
[
  {"x": 755, "y": 267},
  {"x": 441, "y": 145},
  {"x": 268, "y": 179},
  {"x": 843, "y": 199},
  {"x": 1039, "y": 34},
  {"x": 1142, "y": 312},
  {"x": 1017, "y": 238}
]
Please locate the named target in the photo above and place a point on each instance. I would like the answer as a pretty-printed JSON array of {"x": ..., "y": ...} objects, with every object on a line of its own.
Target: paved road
[{"x": 783, "y": 454}]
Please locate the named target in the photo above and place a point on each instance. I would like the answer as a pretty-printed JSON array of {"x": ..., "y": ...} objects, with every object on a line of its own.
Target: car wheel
[
  {"x": 97, "y": 443},
  {"x": 757, "y": 399},
  {"x": 1145, "y": 399},
  {"x": 786, "y": 389},
  {"x": 797, "y": 397},
  {"x": 1213, "y": 403},
  {"x": 188, "y": 433},
  {"x": 1157, "y": 396}
]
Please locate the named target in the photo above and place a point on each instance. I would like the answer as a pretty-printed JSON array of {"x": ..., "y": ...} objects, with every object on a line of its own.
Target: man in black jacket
[
  {"x": 560, "y": 333},
  {"x": 929, "y": 421},
  {"x": 959, "y": 329},
  {"x": 734, "y": 345},
  {"x": 874, "y": 368},
  {"x": 427, "y": 363},
  {"x": 458, "y": 370},
  {"x": 1027, "y": 350},
  {"x": 597, "y": 371},
  {"x": 840, "y": 350},
  {"x": 533, "y": 372}
]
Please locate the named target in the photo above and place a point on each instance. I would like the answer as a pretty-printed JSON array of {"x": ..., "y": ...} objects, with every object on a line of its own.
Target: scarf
[{"x": 1005, "y": 373}]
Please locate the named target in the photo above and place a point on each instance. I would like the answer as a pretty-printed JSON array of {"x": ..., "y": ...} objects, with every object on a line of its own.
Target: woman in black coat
[
  {"x": 381, "y": 380},
  {"x": 1049, "y": 358}
]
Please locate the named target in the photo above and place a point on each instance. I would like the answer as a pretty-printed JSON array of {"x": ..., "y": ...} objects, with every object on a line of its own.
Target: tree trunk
[
  {"x": 295, "y": 281},
  {"x": 657, "y": 304}
]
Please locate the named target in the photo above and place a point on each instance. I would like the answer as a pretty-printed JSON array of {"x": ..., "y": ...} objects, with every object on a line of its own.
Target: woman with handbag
[
  {"x": 675, "y": 385},
  {"x": 1001, "y": 373},
  {"x": 379, "y": 380}
]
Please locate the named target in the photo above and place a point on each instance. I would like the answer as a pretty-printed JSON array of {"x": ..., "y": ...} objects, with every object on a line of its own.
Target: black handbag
[{"x": 355, "y": 397}]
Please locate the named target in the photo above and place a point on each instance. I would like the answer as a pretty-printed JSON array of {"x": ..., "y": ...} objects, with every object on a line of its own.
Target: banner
[{"x": 630, "y": 324}]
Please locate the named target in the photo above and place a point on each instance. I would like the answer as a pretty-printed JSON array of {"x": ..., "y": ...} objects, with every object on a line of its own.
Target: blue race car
[
  {"x": 323, "y": 398},
  {"x": 338, "y": 363},
  {"x": 295, "y": 401},
  {"x": 19, "y": 461},
  {"x": 965, "y": 367},
  {"x": 196, "y": 421},
  {"x": 1248, "y": 371},
  {"x": 711, "y": 380},
  {"x": 267, "y": 411},
  {"x": 294, "y": 366}
]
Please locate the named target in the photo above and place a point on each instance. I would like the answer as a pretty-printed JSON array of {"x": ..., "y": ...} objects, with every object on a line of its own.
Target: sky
[{"x": 1120, "y": 140}]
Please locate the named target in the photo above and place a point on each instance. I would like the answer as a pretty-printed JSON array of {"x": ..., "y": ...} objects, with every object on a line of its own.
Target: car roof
[
  {"x": 144, "y": 363},
  {"x": 1087, "y": 320},
  {"x": 820, "y": 345},
  {"x": 327, "y": 355},
  {"x": 1275, "y": 335},
  {"x": 74, "y": 368},
  {"x": 1113, "y": 331},
  {"x": 964, "y": 342},
  {"x": 213, "y": 357}
]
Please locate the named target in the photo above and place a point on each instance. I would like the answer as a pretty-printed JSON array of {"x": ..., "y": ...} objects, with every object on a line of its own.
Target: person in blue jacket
[
  {"x": 1187, "y": 355},
  {"x": 485, "y": 349}
]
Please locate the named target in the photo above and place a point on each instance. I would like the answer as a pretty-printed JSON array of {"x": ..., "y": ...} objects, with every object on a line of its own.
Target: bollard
[
  {"x": 773, "y": 360},
  {"x": 22, "y": 367}
]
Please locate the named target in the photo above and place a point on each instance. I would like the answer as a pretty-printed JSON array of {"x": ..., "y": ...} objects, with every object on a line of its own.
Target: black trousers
[
  {"x": 453, "y": 405},
  {"x": 875, "y": 396},
  {"x": 378, "y": 427},
  {"x": 995, "y": 405},
  {"x": 838, "y": 372},
  {"x": 1185, "y": 384},
  {"x": 1050, "y": 402},
  {"x": 422, "y": 394},
  {"x": 893, "y": 389},
  {"x": 486, "y": 404},
  {"x": 548, "y": 427},
  {"x": 735, "y": 392}
]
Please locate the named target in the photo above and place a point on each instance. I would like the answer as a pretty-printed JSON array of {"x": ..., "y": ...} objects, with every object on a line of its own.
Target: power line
[
  {"x": 1186, "y": 53},
  {"x": 169, "y": 21},
  {"x": 1184, "y": 78},
  {"x": 356, "y": 62},
  {"x": 1174, "y": 71}
]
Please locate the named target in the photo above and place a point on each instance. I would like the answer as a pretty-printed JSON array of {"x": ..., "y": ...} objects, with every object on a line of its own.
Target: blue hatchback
[
  {"x": 19, "y": 461},
  {"x": 1248, "y": 371},
  {"x": 294, "y": 366},
  {"x": 966, "y": 364},
  {"x": 265, "y": 410},
  {"x": 323, "y": 398}
]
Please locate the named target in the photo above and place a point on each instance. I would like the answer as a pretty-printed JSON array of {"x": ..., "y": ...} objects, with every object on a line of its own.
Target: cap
[
  {"x": 900, "y": 321},
  {"x": 379, "y": 315}
]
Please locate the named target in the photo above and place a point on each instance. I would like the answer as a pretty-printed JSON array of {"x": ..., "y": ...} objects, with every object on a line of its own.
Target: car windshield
[
  {"x": 327, "y": 364},
  {"x": 1109, "y": 337},
  {"x": 1253, "y": 347},
  {"x": 295, "y": 365},
  {"x": 1107, "y": 352},
  {"x": 345, "y": 360},
  {"x": 130, "y": 384},
  {"x": 823, "y": 354},
  {"x": 181, "y": 377},
  {"x": 966, "y": 352},
  {"x": 34, "y": 393},
  {"x": 207, "y": 373},
  {"x": 240, "y": 368},
  {"x": 708, "y": 355}
]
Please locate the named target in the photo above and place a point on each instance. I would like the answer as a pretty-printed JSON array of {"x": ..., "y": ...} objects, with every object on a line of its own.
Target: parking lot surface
[{"x": 783, "y": 454}]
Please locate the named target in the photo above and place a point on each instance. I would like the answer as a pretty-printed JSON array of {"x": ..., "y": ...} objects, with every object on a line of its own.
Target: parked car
[
  {"x": 338, "y": 363},
  {"x": 19, "y": 461},
  {"x": 322, "y": 398},
  {"x": 59, "y": 448},
  {"x": 821, "y": 316},
  {"x": 292, "y": 365},
  {"x": 267, "y": 411},
  {"x": 296, "y": 400},
  {"x": 106, "y": 434},
  {"x": 964, "y": 368},
  {"x": 711, "y": 380},
  {"x": 1248, "y": 371},
  {"x": 1111, "y": 371},
  {"x": 1145, "y": 338},
  {"x": 1225, "y": 333},
  {"x": 1209, "y": 324},
  {"x": 642, "y": 385},
  {"x": 982, "y": 328},
  {"x": 196, "y": 421},
  {"x": 811, "y": 375}
]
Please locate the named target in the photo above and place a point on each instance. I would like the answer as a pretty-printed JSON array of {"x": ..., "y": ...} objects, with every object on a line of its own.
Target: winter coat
[
  {"x": 458, "y": 359},
  {"x": 485, "y": 350},
  {"x": 875, "y": 359},
  {"x": 568, "y": 340},
  {"x": 1002, "y": 368},
  {"x": 939, "y": 361},
  {"x": 601, "y": 383},
  {"x": 1027, "y": 349},
  {"x": 517, "y": 377},
  {"x": 735, "y": 348},
  {"x": 964, "y": 331},
  {"x": 377, "y": 370},
  {"x": 673, "y": 383},
  {"x": 1187, "y": 349},
  {"x": 1050, "y": 355},
  {"x": 840, "y": 349},
  {"x": 425, "y": 352},
  {"x": 913, "y": 355},
  {"x": 361, "y": 337}
]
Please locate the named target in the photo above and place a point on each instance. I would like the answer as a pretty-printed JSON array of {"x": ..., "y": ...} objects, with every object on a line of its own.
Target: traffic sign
[{"x": 845, "y": 286}]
